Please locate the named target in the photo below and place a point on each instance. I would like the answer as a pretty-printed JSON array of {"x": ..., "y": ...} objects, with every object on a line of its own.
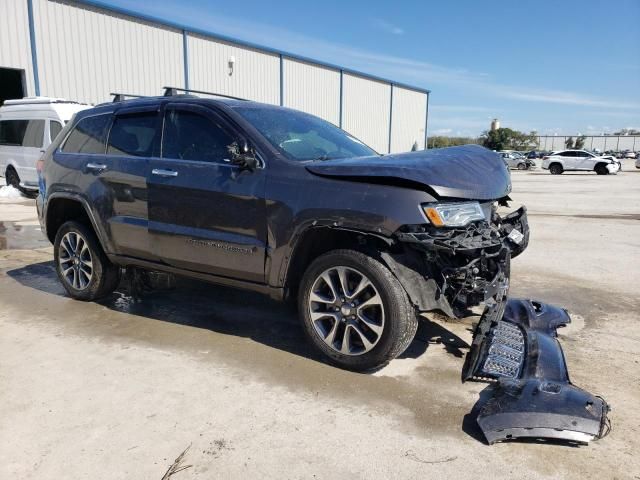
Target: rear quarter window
[
  {"x": 22, "y": 133},
  {"x": 89, "y": 135}
]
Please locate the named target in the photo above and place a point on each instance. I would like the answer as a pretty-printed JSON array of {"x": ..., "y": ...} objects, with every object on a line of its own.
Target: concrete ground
[{"x": 118, "y": 389}]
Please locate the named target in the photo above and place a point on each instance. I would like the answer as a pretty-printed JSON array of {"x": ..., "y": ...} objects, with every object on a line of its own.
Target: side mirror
[{"x": 243, "y": 156}]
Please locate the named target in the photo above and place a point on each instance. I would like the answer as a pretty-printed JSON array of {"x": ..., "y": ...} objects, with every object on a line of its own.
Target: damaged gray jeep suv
[{"x": 277, "y": 201}]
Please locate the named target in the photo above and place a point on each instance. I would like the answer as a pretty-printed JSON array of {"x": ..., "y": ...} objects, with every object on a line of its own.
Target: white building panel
[
  {"x": 366, "y": 109},
  {"x": 84, "y": 53},
  {"x": 313, "y": 89},
  {"x": 255, "y": 75},
  {"x": 408, "y": 118},
  {"x": 15, "y": 46}
]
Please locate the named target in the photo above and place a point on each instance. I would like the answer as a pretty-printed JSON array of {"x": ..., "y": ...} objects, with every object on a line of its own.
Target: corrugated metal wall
[
  {"x": 85, "y": 53},
  {"x": 15, "y": 46},
  {"x": 600, "y": 142},
  {"x": 408, "y": 119},
  {"x": 312, "y": 89},
  {"x": 256, "y": 75},
  {"x": 366, "y": 109}
]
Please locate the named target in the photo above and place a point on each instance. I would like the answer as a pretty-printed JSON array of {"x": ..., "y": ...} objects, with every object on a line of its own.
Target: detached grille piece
[{"x": 505, "y": 354}]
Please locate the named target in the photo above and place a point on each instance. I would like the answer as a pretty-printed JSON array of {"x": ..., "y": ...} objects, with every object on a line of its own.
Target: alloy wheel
[
  {"x": 75, "y": 261},
  {"x": 346, "y": 310}
]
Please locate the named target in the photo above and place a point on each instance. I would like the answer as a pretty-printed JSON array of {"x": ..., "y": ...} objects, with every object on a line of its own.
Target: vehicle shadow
[{"x": 227, "y": 311}]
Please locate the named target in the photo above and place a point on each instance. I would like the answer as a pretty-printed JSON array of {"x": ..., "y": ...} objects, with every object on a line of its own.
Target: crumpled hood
[{"x": 469, "y": 171}]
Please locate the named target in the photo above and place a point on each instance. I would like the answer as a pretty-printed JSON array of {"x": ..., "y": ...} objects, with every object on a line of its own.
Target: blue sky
[{"x": 551, "y": 66}]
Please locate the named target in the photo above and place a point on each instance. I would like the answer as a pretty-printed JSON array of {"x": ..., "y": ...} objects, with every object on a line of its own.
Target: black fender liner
[
  {"x": 424, "y": 292},
  {"x": 533, "y": 396}
]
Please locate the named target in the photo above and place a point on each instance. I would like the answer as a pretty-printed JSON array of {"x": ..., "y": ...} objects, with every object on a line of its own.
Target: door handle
[
  {"x": 96, "y": 166},
  {"x": 164, "y": 173}
]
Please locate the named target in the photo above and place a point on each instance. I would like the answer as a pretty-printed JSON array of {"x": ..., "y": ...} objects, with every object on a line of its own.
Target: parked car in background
[
  {"x": 27, "y": 127},
  {"x": 579, "y": 160},
  {"x": 630, "y": 154},
  {"x": 638, "y": 161},
  {"x": 516, "y": 160}
]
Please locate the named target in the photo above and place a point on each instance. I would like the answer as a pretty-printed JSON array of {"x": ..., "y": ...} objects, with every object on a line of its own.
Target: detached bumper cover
[{"x": 516, "y": 344}]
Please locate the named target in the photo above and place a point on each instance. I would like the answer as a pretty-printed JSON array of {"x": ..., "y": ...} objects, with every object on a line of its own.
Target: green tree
[
  {"x": 568, "y": 143},
  {"x": 441, "y": 141},
  {"x": 508, "y": 139},
  {"x": 579, "y": 145}
]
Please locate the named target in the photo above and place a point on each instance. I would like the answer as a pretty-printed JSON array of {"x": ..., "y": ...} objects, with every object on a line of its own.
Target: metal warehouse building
[{"x": 83, "y": 50}]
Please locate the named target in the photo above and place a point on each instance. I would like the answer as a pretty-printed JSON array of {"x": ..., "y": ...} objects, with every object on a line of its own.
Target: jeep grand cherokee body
[{"x": 250, "y": 195}]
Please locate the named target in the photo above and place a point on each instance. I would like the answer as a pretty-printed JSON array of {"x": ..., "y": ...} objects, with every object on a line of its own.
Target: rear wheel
[
  {"x": 556, "y": 169},
  {"x": 84, "y": 270},
  {"x": 601, "y": 169},
  {"x": 355, "y": 311}
]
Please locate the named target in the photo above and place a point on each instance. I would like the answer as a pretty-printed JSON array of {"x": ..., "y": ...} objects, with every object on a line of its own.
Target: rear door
[
  {"x": 205, "y": 214},
  {"x": 134, "y": 137}
]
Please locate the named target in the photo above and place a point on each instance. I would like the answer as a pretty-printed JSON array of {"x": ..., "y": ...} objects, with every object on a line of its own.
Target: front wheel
[
  {"x": 355, "y": 311},
  {"x": 83, "y": 269},
  {"x": 522, "y": 166},
  {"x": 601, "y": 169}
]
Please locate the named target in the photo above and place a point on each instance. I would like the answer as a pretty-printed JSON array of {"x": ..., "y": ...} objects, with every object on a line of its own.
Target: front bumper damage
[
  {"x": 453, "y": 269},
  {"x": 515, "y": 344}
]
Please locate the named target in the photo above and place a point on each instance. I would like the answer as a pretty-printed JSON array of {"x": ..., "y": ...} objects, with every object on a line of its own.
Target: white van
[{"x": 27, "y": 127}]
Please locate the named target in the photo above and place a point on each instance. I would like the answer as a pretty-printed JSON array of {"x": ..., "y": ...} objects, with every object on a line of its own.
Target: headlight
[{"x": 453, "y": 214}]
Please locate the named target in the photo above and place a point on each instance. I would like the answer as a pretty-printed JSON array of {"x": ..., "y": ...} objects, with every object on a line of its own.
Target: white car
[
  {"x": 581, "y": 160},
  {"x": 27, "y": 127},
  {"x": 516, "y": 160}
]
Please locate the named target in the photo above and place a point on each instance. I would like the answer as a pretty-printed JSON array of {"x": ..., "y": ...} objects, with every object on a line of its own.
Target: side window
[
  {"x": 22, "y": 133},
  {"x": 133, "y": 134},
  {"x": 567, "y": 153},
  {"x": 191, "y": 136},
  {"x": 88, "y": 136},
  {"x": 54, "y": 129}
]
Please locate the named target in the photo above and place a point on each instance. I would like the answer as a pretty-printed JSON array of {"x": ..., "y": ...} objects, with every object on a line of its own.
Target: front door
[{"x": 205, "y": 214}]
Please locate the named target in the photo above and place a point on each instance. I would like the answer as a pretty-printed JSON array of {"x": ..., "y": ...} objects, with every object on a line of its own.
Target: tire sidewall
[
  {"x": 394, "y": 302},
  {"x": 94, "y": 288}
]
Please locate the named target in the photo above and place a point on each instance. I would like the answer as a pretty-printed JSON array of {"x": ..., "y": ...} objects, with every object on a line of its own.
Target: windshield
[{"x": 300, "y": 136}]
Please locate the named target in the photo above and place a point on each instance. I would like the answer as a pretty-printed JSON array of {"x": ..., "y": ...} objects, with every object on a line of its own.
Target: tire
[
  {"x": 601, "y": 169},
  {"x": 75, "y": 262},
  {"x": 391, "y": 320},
  {"x": 522, "y": 166},
  {"x": 556, "y": 169},
  {"x": 12, "y": 178}
]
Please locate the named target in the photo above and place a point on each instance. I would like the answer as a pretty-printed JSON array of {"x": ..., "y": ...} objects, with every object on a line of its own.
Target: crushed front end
[
  {"x": 451, "y": 269},
  {"x": 515, "y": 344}
]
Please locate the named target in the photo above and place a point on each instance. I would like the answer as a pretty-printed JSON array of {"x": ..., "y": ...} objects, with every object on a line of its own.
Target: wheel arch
[
  {"x": 62, "y": 207},
  {"x": 317, "y": 240}
]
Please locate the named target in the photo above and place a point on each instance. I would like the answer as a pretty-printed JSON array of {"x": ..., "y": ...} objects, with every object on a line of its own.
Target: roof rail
[
  {"x": 171, "y": 91},
  {"x": 121, "y": 97}
]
